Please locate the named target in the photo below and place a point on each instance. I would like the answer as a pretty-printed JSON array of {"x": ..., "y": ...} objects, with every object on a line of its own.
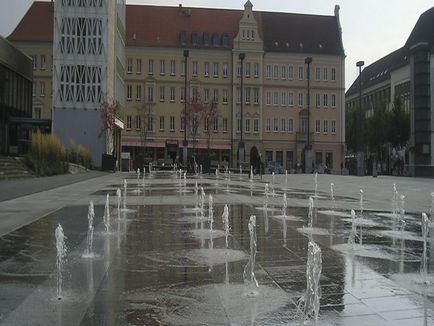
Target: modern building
[
  {"x": 407, "y": 75},
  {"x": 268, "y": 114},
  {"x": 16, "y": 121}
]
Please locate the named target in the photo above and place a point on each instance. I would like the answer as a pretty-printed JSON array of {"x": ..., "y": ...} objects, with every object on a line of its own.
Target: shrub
[
  {"x": 47, "y": 155},
  {"x": 79, "y": 154}
]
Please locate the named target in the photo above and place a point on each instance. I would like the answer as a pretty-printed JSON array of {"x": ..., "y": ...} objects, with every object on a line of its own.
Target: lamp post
[
  {"x": 360, "y": 153},
  {"x": 185, "y": 142},
  {"x": 308, "y": 149},
  {"x": 241, "y": 149}
]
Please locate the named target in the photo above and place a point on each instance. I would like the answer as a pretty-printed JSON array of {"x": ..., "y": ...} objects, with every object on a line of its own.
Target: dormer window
[
  {"x": 194, "y": 38},
  {"x": 182, "y": 38},
  {"x": 253, "y": 35},
  {"x": 205, "y": 39},
  {"x": 225, "y": 40},
  {"x": 215, "y": 40}
]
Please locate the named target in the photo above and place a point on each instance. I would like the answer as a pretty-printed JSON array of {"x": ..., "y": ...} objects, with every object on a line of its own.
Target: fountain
[
  {"x": 266, "y": 197},
  {"x": 251, "y": 172},
  {"x": 106, "y": 217},
  {"x": 89, "y": 239},
  {"x": 138, "y": 177},
  {"x": 402, "y": 213},
  {"x": 361, "y": 217},
  {"x": 286, "y": 179},
  {"x": 61, "y": 255},
  {"x": 285, "y": 205},
  {"x": 241, "y": 171},
  {"x": 211, "y": 221},
  {"x": 119, "y": 197},
  {"x": 273, "y": 185},
  {"x": 332, "y": 196},
  {"x": 311, "y": 299},
  {"x": 249, "y": 269},
  {"x": 352, "y": 237},
  {"x": 424, "y": 262},
  {"x": 316, "y": 185},
  {"x": 225, "y": 218},
  {"x": 150, "y": 168},
  {"x": 216, "y": 173},
  {"x": 432, "y": 206}
]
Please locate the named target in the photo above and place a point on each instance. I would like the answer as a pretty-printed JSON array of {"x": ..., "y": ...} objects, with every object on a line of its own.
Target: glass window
[
  {"x": 279, "y": 157},
  {"x": 326, "y": 126},
  {"x": 290, "y": 126},
  {"x": 215, "y": 97},
  {"x": 268, "y": 125},
  {"x": 150, "y": 94},
  {"x": 172, "y": 94},
  {"x": 139, "y": 66},
  {"x": 162, "y": 67},
  {"x": 225, "y": 70},
  {"x": 247, "y": 95},
  {"x": 333, "y": 127},
  {"x": 291, "y": 98},
  {"x": 215, "y": 124},
  {"x": 268, "y": 156},
  {"x": 275, "y": 71},
  {"x": 268, "y": 71},
  {"x": 318, "y": 100},
  {"x": 172, "y": 67},
  {"x": 256, "y": 70},
  {"x": 138, "y": 92},
  {"x": 138, "y": 122},
  {"x": 247, "y": 70},
  {"x": 282, "y": 125},
  {"x": 276, "y": 124},
  {"x": 216, "y": 69},
  {"x": 172, "y": 123},
  {"x": 300, "y": 99},
  {"x": 289, "y": 160},
  {"x": 334, "y": 100},
  {"x": 325, "y": 100},
  {"x": 205, "y": 95},
  {"x": 225, "y": 124},
  {"x": 128, "y": 122},
  {"x": 291, "y": 72},
  {"x": 325, "y": 73},
  {"x": 206, "y": 69},
  {"x": 150, "y": 66},
  {"x": 318, "y": 73},
  {"x": 276, "y": 98},
  {"x": 42, "y": 89},
  {"x": 300, "y": 72},
  {"x": 256, "y": 125},
  {"x": 283, "y": 70},
  {"x": 317, "y": 126},
  {"x": 194, "y": 68},
  {"x": 182, "y": 94},
  {"x": 268, "y": 96},
  {"x": 225, "y": 96},
  {"x": 256, "y": 95},
  {"x": 161, "y": 93},
  {"x": 283, "y": 99},
  {"x": 161, "y": 123},
  {"x": 247, "y": 125},
  {"x": 129, "y": 92},
  {"x": 43, "y": 63},
  {"x": 238, "y": 125},
  {"x": 333, "y": 74}
]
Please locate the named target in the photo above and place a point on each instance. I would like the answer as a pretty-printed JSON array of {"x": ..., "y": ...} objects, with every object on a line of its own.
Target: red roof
[
  {"x": 161, "y": 26},
  {"x": 36, "y": 25}
]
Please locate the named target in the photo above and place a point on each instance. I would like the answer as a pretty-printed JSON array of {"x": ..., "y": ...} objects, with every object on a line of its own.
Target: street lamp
[
  {"x": 185, "y": 142},
  {"x": 308, "y": 150},
  {"x": 241, "y": 148},
  {"x": 360, "y": 153}
]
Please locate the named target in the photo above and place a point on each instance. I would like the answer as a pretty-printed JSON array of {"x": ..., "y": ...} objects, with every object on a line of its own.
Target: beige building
[{"x": 274, "y": 122}]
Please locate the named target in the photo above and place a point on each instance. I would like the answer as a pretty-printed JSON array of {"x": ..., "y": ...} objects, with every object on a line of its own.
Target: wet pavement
[{"x": 160, "y": 264}]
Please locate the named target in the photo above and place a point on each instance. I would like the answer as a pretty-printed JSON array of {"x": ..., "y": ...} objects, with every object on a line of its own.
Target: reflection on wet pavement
[{"x": 156, "y": 267}]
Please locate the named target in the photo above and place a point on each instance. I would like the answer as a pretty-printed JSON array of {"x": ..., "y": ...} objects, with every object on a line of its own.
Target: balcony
[{"x": 301, "y": 137}]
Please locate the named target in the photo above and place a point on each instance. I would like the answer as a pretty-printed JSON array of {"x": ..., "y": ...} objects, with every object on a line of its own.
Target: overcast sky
[{"x": 371, "y": 28}]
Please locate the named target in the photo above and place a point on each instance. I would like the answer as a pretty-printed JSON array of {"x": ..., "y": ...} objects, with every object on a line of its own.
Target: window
[
  {"x": 238, "y": 95},
  {"x": 150, "y": 67},
  {"x": 268, "y": 97},
  {"x": 225, "y": 70},
  {"x": 289, "y": 160},
  {"x": 35, "y": 61},
  {"x": 325, "y": 73},
  {"x": 326, "y": 126},
  {"x": 318, "y": 100},
  {"x": 276, "y": 125},
  {"x": 268, "y": 125},
  {"x": 183, "y": 68},
  {"x": 318, "y": 158},
  {"x": 325, "y": 101},
  {"x": 161, "y": 123},
  {"x": 268, "y": 156},
  {"x": 150, "y": 94},
  {"x": 138, "y": 122},
  {"x": 279, "y": 157},
  {"x": 333, "y": 74},
  {"x": 225, "y": 96},
  {"x": 276, "y": 98},
  {"x": 303, "y": 126},
  {"x": 206, "y": 69},
  {"x": 139, "y": 66},
  {"x": 333, "y": 128},
  {"x": 216, "y": 95},
  {"x": 291, "y": 72},
  {"x": 247, "y": 125},
  {"x": 256, "y": 125},
  {"x": 37, "y": 113},
  {"x": 161, "y": 93},
  {"x": 34, "y": 88},
  {"x": 206, "y": 125},
  {"x": 194, "y": 68},
  {"x": 128, "y": 122},
  {"x": 291, "y": 99},
  {"x": 275, "y": 71},
  {"x": 333, "y": 100},
  {"x": 42, "y": 88},
  {"x": 256, "y": 95},
  {"x": 129, "y": 92},
  {"x": 129, "y": 66},
  {"x": 256, "y": 70},
  {"x": 215, "y": 124},
  {"x": 317, "y": 126},
  {"x": 162, "y": 67},
  {"x": 283, "y": 99},
  {"x": 317, "y": 73},
  {"x": 172, "y": 94},
  {"x": 268, "y": 71},
  {"x": 43, "y": 63},
  {"x": 172, "y": 123},
  {"x": 290, "y": 126},
  {"x": 206, "y": 95},
  {"x": 247, "y": 70},
  {"x": 138, "y": 92},
  {"x": 329, "y": 160},
  {"x": 247, "y": 95},
  {"x": 300, "y": 72},
  {"x": 172, "y": 67},
  {"x": 300, "y": 99},
  {"x": 225, "y": 124},
  {"x": 194, "y": 94},
  {"x": 182, "y": 94},
  {"x": 182, "y": 123},
  {"x": 238, "y": 125},
  {"x": 283, "y": 72},
  {"x": 282, "y": 125},
  {"x": 238, "y": 69},
  {"x": 216, "y": 70}
]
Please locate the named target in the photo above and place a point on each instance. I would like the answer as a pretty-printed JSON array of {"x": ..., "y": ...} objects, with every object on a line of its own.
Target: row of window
[
  {"x": 288, "y": 99},
  {"x": 171, "y": 68},
  {"x": 41, "y": 88},
  {"x": 287, "y": 72},
  {"x": 215, "y": 124},
  {"x": 39, "y": 61},
  {"x": 284, "y": 125}
]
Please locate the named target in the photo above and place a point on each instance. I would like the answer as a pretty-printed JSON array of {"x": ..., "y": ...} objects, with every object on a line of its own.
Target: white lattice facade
[{"x": 87, "y": 45}]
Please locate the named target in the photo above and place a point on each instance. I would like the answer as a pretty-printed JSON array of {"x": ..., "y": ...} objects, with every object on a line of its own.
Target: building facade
[
  {"x": 405, "y": 75},
  {"x": 273, "y": 123},
  {"x": 15, "y": 99}
]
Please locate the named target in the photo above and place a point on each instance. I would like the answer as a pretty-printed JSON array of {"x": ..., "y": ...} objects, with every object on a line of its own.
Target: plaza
[{"x": 163, "y": 262}]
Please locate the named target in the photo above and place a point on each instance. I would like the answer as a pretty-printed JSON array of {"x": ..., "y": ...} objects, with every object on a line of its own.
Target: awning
[
  {"x": 139, "y": 143},
  {"x": 211, "y": 146}
]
